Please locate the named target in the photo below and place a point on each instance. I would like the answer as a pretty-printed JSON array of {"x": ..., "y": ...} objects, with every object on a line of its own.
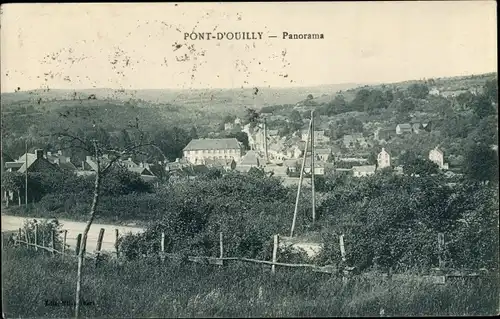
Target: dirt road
[{"x": 12, "y": 223}]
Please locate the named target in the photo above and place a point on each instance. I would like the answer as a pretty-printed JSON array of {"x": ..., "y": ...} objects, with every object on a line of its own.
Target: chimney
[
  {"x": 177, "y": 160},
  {"x": 39, "y": 153},
  {"x": 141, "y": 164},
  {"x": 130, "y": 159},
  {"x": 59, "y": 152},
  {"x": 49, "y": 153},
  {"x": 88, "y": 158},
  {"x": 83, "y": 165}
]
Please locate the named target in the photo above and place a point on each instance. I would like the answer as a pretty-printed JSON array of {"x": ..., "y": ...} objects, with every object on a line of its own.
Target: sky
[{"x": 142, "y": 46}]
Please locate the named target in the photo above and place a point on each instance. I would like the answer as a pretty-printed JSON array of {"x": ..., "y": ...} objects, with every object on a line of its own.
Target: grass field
[{"x": 148, "y": 288}]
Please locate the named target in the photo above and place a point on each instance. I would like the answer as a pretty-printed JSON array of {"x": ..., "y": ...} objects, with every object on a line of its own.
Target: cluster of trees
[
  {"x": 393, "y": 222},
  {"x": 58, "y": 189}
]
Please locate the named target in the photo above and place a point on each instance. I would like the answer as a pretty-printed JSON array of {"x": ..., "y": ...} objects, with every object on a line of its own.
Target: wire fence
[{"x": 23, "y": 240}]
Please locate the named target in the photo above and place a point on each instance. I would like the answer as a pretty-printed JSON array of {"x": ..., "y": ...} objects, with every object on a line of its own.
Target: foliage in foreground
[{"x": 146, "y": 288}]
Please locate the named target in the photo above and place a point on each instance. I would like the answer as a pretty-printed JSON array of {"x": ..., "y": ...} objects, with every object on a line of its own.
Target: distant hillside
[{"x": 210, "y": 98}]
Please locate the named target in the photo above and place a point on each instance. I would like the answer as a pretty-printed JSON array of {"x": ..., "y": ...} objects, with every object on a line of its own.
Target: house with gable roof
[
  {"x": 64, "y": 162},
  {"x": 36, "y": 163}
]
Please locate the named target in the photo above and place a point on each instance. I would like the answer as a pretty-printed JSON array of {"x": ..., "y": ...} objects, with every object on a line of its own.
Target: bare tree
[{"x": 93, "y": 146}]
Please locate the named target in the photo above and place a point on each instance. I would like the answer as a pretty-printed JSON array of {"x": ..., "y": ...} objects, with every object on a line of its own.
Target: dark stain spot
[
  {"x": 256, "y": 90},
  {"x": 177, "y": 46}
]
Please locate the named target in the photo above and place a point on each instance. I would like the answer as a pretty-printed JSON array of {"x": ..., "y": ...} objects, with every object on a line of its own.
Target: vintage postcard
[{"x": 281, "y": 159}]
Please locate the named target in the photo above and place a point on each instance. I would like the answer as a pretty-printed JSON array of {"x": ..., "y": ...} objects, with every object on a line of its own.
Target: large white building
[
  {"x": 383, "y": 159},
  {"x": 198, "y": 150},
  {"x": 437, "y": 156}
]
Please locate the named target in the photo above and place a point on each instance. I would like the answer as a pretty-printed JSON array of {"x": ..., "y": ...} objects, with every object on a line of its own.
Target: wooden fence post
[
  {"x": 221, "y": 255},
  {"x": 78, "y": 243},
  {"x": 440, "y": 250},
  {"x": 43, "y": 243},
  {"x": 275, "y": 252},
  {"x": 53, "y": 242},
  {"x": 64, "y": 243},
  {"x": 99, "y": 245},
  {"x": 342, "y": 247},
  {"x": 26, "y": 237},
  {"x": 99, "y": 240},
  {"x": 18, "y": 239},
  {"x": 36, "y": 236},
  {"x": 162, "y": 254},
  {"x": 342, "y": 254},
  {"x": 116, "y": 242}
]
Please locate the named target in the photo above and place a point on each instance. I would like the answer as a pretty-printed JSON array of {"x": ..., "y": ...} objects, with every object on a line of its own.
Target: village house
[
  {"x": 189, "y": 172},
  {"x": 177, "y": 165},
  {"x": 437, "y": 156},
  {"x": 383, "y": 135},
  {"x": 293, "y": 152},
  {"x": 416, "y": 127},
  {"x": 291, "y": 166},
  {"x": 144, "y": 171},
  {"x": 89, "y": 165},
  {"x": 277, "y": 151},
  {"x": 362, "y": 171},
  {"x": 403, "y": 128},
  {"x": 353, "y": 140},
  {"x": 434, "y": 91},
  {"x": 351, "y": 159},
  {"x": 226, "y": 164},
  {"x": 228, "y": 126},
  {"x": 319, "y": 167},
  {"x": 256, "y": 140},
  {"x": 319, "y": 136},
  {"x": 323, "y": 154},
  {"x": 200, "y": 149},
  {"x": 57, "y": 159},
  {"x": 383, "y": 159},
  {"x": 64, "y": 162},
  {"x": 128, "y": 163},
  {"x": 36, "y": 163},
  {"x": 398, "y": 170},
  {"x": 249, "y": 160},
  {"x": 272, "y": 133},
  {"x": 453, "y": 93}
]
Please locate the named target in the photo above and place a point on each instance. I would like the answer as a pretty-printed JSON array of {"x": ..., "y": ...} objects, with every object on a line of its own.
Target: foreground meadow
[{"x": 33, "y": 283}]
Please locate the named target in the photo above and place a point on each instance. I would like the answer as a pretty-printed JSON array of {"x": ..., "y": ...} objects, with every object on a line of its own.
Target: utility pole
[
  {"x": 26, "y": 164},
  {"x": 265, "y": 141},
  {"x": 300, "y": 182},
  {"x": 312, "y": 168}
]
